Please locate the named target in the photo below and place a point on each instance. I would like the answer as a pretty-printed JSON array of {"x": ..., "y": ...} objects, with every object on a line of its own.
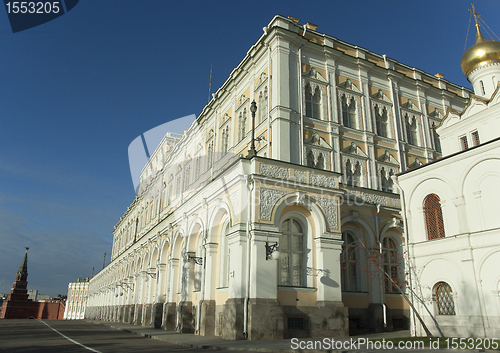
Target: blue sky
[{"x": 77, "y": 90}]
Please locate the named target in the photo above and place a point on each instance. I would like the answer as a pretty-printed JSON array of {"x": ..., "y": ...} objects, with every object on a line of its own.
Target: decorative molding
[
  {"x": 268, "y": 198},
  {"x": 300, "y": 176},
  {"x": 274, "y": 171},
  {"x": 409, "y": 105},
  {"x": 262, "y": 79},
  {"x": 242, "y": 100},
  {"x": 322, "y": 180},
  {"x": 314, "y": 74},
  {"x": 381, "y": 96},
  {"x": 330, "y": 208},
  {"x": 349, "y": 86}
]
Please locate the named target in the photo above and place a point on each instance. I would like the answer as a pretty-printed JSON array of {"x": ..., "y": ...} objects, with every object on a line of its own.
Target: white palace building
[
  {"x": 452, "y": 209},
  {"x": 197, "y": 250}
]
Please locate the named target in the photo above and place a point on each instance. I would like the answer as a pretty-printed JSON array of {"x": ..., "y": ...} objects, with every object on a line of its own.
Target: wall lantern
[
  {"x": 272, "y": 252},
  {"x": 196, "y": 260}
]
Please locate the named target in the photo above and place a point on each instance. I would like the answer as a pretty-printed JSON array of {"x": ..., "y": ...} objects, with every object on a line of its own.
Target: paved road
[{"x": 33, "y": 336}]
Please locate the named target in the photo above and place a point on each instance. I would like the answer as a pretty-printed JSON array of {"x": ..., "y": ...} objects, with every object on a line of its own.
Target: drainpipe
[
  {"x": 405, "y": 225},
  {"x": 204, "y": 242},
  {"x": 301, "y": 109},
  {"x": 377, "y": 208},
  {"x": 250, "y": 187}
]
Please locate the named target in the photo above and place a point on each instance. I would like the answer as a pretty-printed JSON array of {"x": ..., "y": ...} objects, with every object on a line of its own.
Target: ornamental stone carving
[
  {"x": 274, "y": 171},
  {"x": 322, "y": 180},
  {"x": 329, "y": 208},
  {"x": 300, "y": 176},
  {"x": 268, "y": 198}
]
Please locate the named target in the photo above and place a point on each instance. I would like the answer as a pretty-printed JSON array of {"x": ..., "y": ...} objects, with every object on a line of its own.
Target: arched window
[
  {"x": 437, "y": 142},
  {"x": 292, "y": 254},
  {"x": 210, "y": 152},
  {"x": 381, "y": 121},
  {"x": 345, "y": 111},
  {"x": 411, "y": 130},
  {"x": 390, "y": 263},
  {"x": 242, "y": 124},
  {"x": 313, "y": 102},
  {"x": 383, "y": 179},
  {"x": 263, "y": 105},
  {"x": 444, "y": 299},
  {"x": 225, "y": 139},
  {"x": 357, "y": 175},
  {"x": 350, "y": 262},
  {"x": 260, "y": 111},
  {"x": 352, "y": 113},
  {"x": 348, "y": 173},
  {"x": 310, "y": 159},
  {"x": 433, "y": 217},
  {"x": 321, "y": 162}
]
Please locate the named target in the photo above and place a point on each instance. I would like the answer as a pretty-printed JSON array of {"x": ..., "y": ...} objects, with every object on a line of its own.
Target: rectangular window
[
  {"x": 463, "y": 143},
  {"x": 475, "y": 138}
]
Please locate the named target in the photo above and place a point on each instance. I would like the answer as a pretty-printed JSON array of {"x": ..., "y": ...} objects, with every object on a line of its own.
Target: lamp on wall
[
  {"x": 272, "y": 252},
  {"x": 252, "y": 152},
  {"x": 197, "y": 260}
]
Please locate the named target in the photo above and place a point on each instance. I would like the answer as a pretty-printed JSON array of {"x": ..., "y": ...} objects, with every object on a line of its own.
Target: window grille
[
  {"x": 475, "y": 138},
  {"x": 296, "y": 323},
  {"x": 444, "y": 299},
  {"x": 390, "y": 263},
  {"x": 349, "y": 260},
  {"x": 464, "y": 143},
  {"x": 433, "y": 217}
]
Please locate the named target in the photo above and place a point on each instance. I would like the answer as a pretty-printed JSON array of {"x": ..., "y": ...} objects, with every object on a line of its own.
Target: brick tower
[{"x": 16, "y": 306}]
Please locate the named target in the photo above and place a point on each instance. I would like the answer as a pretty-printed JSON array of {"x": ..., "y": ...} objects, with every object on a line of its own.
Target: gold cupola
[{"x": 481, "y": 53}]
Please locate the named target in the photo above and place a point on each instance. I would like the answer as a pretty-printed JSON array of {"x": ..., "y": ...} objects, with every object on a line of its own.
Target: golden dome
[{"x": 481, "y": 53}]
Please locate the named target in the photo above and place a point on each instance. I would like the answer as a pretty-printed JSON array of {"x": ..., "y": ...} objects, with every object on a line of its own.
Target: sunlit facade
[{"x": 334, "y": 123}]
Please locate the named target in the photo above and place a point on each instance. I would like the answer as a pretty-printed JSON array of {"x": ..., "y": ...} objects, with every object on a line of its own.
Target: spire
[
  {"x": 479, "y": 35},
  {"x": 23, "y": 269}
]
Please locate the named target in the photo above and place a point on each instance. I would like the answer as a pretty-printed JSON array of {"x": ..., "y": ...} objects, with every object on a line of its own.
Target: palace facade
[{"x": 195, "y": 251}]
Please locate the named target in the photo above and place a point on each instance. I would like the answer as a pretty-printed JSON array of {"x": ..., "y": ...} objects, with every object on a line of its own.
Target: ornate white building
[
  {"x": 333, "y": 123},
  {"x": 452, "y": 209},
  {"x": 77, "y": 299}
]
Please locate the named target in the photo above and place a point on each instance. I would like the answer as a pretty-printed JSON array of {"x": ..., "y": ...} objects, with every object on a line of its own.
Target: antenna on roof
[{"x": 210, "y": 84}]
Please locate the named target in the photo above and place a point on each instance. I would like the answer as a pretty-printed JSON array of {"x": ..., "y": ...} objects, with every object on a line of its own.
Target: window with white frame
[
  {"x": 435, "y": 137},
  {"x": 291, "y": 261},
  {"x": 225, "y": 139},
  {"x": 242, "y": 124},
  {"x": 313, "y": 101},
  {"x": 381, "y": 120},
  {"x": 262, "y": 106},
  {"x": 348, "y": 107},
  {"x": 411, "y": 129},
  {"x": 390, "y": 262},
  {"x": 210, "y": 154},
  {"x": 475, "y": 138},
  {"x": 464, "y": 144}
]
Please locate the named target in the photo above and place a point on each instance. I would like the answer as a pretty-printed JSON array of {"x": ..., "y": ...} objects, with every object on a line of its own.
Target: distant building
[
  {"x": 77, "y": 299},
  {"x": 18, "y": 305},
  {"x": 32, "y": 294}
]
